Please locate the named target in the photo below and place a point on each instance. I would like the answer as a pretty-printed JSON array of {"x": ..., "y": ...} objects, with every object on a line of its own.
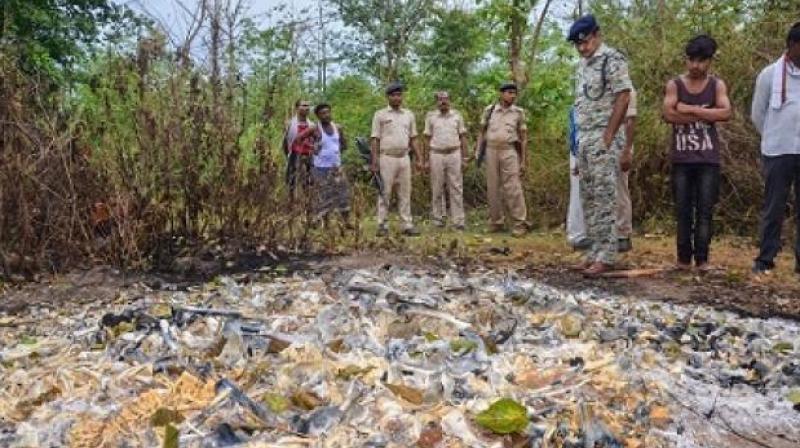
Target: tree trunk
[
  {"x": 534, "y": 46},
  {"x": 516, "y": 33},
  {"x": 216, "y": 36}
]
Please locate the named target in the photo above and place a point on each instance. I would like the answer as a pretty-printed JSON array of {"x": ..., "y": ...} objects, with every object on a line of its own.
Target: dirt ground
[
  {"x": 546, "y": 256},
  {"x": 729, "y": 285},
  {"x": 543, "y": 256}
]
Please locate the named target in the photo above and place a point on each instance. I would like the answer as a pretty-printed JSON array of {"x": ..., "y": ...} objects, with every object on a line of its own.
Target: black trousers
[
  {"x": 298, "y": 166},
  {"x": 780, "y": 172},
  {"x": 695, "y": 189}
]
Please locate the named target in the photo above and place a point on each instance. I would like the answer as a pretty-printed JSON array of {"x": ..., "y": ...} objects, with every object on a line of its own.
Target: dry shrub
[{"x": 147, "y": 164}]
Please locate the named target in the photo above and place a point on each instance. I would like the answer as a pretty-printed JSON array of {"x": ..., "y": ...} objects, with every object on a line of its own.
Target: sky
[
  {"x": 172, "y": 16},
  {"x": 169, "y": 13}
]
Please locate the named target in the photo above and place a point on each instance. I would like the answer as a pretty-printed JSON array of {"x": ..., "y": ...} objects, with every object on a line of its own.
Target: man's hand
[
  {"x": 608, "y": 139},
  {"x": 685, "y": 108},
  {"x": 373, "y": 167},
  {"x": 466, "y": 160},
  {"x": 419, "y": 165},
  {"x": 626, "y": 160},
  {"x": 523, "y": 167}
]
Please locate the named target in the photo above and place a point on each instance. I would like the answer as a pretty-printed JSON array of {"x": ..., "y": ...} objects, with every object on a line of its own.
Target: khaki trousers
[
  {"x": 396, "y": 176},
  {"x": 504, "y": 186},
  {"x": 446, "y": 172}
]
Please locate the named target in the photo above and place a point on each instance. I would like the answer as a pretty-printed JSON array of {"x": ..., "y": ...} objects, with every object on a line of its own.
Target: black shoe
[
  {"x": 382, "y": 231},
  {"x": 411, "y": 232},
  {"x": 460, "y": 228},
  {"x": 582, "y": 245},
  {"x": 624, "y": 245},
  {"x": 759, "y": 267}
]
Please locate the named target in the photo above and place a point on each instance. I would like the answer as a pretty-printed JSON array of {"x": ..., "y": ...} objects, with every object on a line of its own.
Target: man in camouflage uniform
[
  {"x": 506, "y": 134},
  {"x": 601, "y": 100}
]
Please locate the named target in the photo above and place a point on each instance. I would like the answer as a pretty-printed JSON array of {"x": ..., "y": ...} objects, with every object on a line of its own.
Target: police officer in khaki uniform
[
  {"x": 503, "y": 126},
  {"x": 446, "y": 141},
  {"x": 394, "y": 132}
]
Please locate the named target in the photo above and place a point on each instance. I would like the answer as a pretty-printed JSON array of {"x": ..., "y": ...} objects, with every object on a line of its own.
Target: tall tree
[
  {"x": 456, "y": 43},
  {"x": 48, "y": 34},
  {"x": 385, "y": 30},
  {"x": 513, "y": 16}
]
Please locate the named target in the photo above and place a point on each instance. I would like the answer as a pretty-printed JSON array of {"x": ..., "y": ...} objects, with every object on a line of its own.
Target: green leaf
[
  {"x": 461, "y": 346},
  {"x": 571, "y": 325},
  {"x": 504, "y": 416},
  {"x": 430, "y": 336},
  {"x": 783, "y": 347},
  {"x": 171, "y": 437},
  {"x": 276, "y": 403},
  {"x": 794, "y": 396},
  {"x": 352, "y": 371},
  {"x": 164, "y": 417},
  {"x": 161, "y": 310},
  {"x": 672, "y": 350},
  {"x": 122, "y": 328},
  {"x": 27, "y": 340}
]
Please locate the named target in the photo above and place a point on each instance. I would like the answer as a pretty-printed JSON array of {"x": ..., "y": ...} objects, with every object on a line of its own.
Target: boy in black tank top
[{"x": 694, "y": 102}]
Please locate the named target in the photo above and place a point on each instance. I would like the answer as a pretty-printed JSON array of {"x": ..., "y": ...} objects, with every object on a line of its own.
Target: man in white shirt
[{"x": 776, "y": 116}]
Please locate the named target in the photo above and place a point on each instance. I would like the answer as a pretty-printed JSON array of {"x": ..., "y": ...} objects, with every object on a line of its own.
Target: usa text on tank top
[{"x": 696, "y": 142}]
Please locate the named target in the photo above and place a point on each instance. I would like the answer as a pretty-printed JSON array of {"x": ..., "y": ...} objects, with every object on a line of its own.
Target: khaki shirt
[
  {"x": 445, "y": 130},
  {"x": 594, "y": 99},
  {"x": 394, "y": 129},
  {"x": 505, "y": 124}
]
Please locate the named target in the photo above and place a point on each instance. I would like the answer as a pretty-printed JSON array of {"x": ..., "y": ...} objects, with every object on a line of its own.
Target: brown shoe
[
  {"x": 496, "y": 228},
  {"x": 582, "y": 266},
  {"x": 597, "y": 269}
]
